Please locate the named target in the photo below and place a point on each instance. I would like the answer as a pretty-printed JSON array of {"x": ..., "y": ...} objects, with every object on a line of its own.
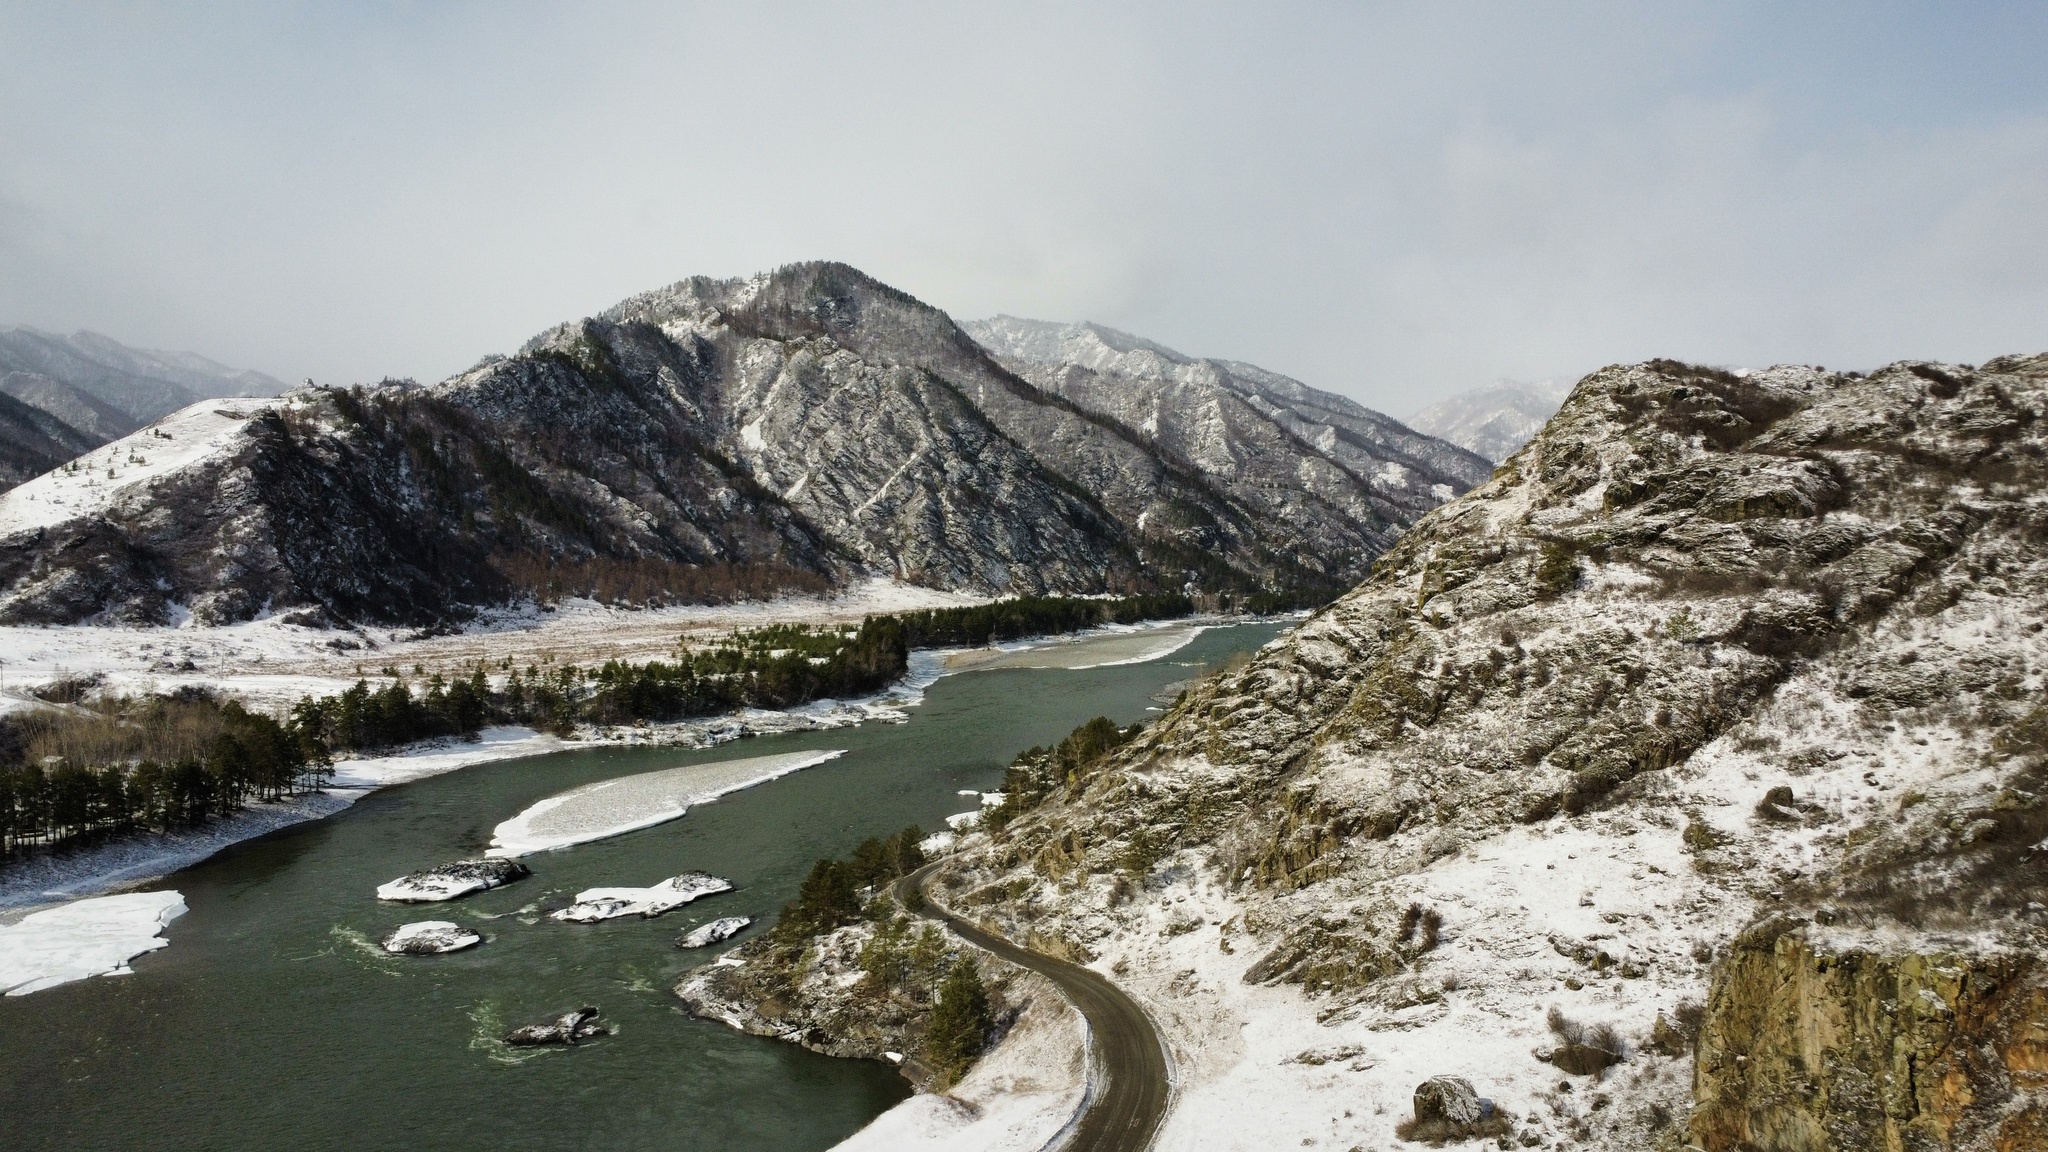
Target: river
[{"x": 273, "y": 1022}]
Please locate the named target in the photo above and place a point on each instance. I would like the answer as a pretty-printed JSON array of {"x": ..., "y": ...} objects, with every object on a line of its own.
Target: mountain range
[
  {"x": 77, "y": 392},
  {"x": 805, "y": 425}
]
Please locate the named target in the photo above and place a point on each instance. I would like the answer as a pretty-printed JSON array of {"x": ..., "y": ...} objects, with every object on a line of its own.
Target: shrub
[{"x": 1585, "y": 1050}]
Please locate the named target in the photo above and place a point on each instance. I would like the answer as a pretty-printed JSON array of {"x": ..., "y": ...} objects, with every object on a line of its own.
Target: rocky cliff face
[
  {"x": 809, "y": 422},
  {"x": 1709, "y": 647},
  {"x": 1832, "y": 1045}
]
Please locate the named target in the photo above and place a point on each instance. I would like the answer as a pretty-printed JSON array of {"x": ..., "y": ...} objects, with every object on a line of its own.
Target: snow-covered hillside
[
  {"x": 1302, "y": 453},
  {"x": 92, "y": 484}
]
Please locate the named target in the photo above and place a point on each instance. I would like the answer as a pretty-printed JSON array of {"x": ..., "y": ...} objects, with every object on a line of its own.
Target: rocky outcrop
[
  {"x": 796, "y": 429},
  {"x": 1712, "y": 645},
  {"x": 1813, "y": 1045},
  {"x": 570, "y": 1028}
]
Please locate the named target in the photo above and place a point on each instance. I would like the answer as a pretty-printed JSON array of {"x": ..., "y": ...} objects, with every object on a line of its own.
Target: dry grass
[{"x": 121, "y": 729}]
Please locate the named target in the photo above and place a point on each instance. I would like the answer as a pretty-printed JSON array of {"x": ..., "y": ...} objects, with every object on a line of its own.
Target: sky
[{"x": 1395, "y": 202}]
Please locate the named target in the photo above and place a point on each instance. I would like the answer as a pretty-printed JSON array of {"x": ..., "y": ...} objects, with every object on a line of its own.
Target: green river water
[{"x": 273, "y": 1022}]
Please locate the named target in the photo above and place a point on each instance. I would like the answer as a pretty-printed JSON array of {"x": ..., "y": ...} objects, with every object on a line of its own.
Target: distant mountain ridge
[
  {"x": 1284, "y": 447},
  {"x": 808, "y": 423},
  {"x": 143, "y": 383},
  {"x": 99, "y": 390},
  {"x": 1495, "y": 421}
]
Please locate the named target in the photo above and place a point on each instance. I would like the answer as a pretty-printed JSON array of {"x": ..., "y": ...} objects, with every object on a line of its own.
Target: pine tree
[{"x": 960, "y": 1022}]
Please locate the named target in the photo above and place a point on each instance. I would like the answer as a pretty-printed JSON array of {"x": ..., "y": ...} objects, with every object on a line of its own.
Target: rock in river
[
  {"x": 451, "y": 880},
  {"x": 430, "y": 936},
  {"x": 594, "y": 904},
  {"x": 569, "y": 1028},
  {"x": 721, "y": 929}
]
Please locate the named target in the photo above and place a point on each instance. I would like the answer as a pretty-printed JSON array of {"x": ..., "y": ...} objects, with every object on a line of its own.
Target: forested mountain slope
[
  {"x": 1713, "y": 652},
  {"x": 797, "y": 428}
]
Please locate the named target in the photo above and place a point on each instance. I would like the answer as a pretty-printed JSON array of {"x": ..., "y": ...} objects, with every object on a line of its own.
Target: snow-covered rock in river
[
  {"x": 429, "y": 937},
  {"x": 573, "y": 1027},
  {"x": 594, "y": 904},
  {"x": 449, "y": 881},
  {"x": 717, "y": 931}
]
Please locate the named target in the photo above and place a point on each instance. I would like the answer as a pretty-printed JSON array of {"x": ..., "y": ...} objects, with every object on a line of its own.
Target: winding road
[{"x": 1133, "y": 1091}]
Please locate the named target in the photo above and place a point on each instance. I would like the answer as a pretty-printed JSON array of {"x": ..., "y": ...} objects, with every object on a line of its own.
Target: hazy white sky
[{"x": 1391, "y": 201}]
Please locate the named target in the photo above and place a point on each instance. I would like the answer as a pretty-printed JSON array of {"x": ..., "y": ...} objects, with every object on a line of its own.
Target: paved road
[{"x": 1132, "y": 1100}]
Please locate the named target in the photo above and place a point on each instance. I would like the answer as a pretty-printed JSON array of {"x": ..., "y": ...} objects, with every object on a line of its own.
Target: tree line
[
  {"x": 125, "y": 764},
  {"x": 84, "y": 769}
]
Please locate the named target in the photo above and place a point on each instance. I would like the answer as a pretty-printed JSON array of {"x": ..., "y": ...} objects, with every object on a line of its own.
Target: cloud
[{"x": 1391, "y": 201}]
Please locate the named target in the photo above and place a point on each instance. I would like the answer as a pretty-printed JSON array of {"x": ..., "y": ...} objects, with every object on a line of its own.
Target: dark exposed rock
[{"x": 570, "y": 1028}]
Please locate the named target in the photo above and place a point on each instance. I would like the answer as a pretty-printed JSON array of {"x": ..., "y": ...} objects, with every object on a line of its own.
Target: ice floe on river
[
  {"x": 594, "y": 904},
  {"x": 429, "y": 937},
  {"x": 448, "y": 881},
  {"x": 96, "y": 937},
  {"x": 629, "y": 803}
]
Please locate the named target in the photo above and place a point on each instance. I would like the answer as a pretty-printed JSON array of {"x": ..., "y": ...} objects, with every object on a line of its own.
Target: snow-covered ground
[
  {"x": 624, "y": 804},
  {"x": 85, "y": 938},
  {"x": 1105, "y": 647},
  {"x": 1021, "y": 1097},
  {"x": 270, "y": 662}
]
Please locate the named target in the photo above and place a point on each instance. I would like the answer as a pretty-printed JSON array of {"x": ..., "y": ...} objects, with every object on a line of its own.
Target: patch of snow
[
  {"x": 1025, "y": 1094},
  {"x": 85, "y": 938},
  {"x": 628, "y": 803}
]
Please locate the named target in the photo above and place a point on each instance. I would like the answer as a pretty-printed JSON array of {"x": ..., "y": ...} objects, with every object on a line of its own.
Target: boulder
[
  {"x": 719, "y": 930},
  {"x": 571, "y": 1028},
  {"x": 1448, "y": 1100},
  {"x": 431, "y": 936},
  {"x": 447, "y": 881}
]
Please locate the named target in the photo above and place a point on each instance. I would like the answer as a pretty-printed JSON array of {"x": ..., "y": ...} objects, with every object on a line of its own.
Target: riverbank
[{"x": 45, "y": 880}]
